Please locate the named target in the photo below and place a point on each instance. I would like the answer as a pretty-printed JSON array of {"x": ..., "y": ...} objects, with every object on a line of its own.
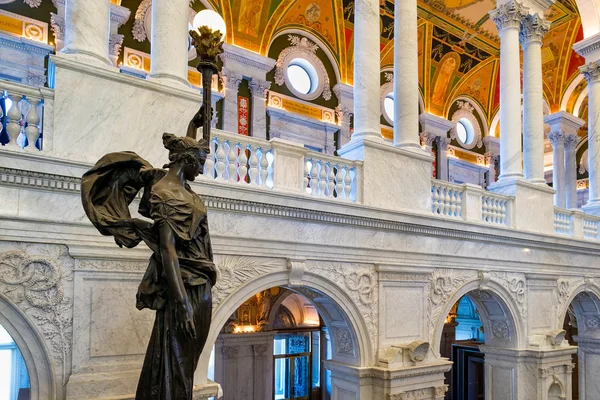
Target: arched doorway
[
  {"x": 35, "y": 357},
  {"x": 489, "y": 323}
]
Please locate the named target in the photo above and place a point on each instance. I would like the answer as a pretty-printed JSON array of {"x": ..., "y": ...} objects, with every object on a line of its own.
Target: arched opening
[
  {"x": 22, "y": 347},
  {"x": 273, "y": 347},
  {"x": 582, "y": 326},
  {"x": 476, "y": 317}
]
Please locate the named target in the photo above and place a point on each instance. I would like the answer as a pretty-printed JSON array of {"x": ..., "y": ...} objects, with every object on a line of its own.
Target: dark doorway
[{"x": 468, "y": 374}]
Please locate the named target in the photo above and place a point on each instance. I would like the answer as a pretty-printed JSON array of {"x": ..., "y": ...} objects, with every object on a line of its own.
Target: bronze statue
[{"x": 181, "y": 272}]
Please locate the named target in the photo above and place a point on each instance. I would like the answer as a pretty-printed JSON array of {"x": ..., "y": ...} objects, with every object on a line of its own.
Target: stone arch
[
  {"x": 589, "y": 11},
  {"x": 586, "y": 305},
  {"x": 31, "y": 345},
  {"x": 499, "y": 312},
  {"x": 349, "y": 334}
]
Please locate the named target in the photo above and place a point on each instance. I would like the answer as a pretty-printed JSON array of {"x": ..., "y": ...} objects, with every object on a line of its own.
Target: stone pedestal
[
  {"x": 382, "y": 182},
  {"x": 169, "y": 59},
  {"x": 527, "y": 374},
  {"x": 87, "y": 30},
  {"x": 534, "y": 205},
  {"x": 244, "y": 365},
  {"x": 289, "y": 174}
]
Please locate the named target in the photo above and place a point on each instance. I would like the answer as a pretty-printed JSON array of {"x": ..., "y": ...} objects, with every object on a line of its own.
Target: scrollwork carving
[
  {"x": 516, "y": 286},
  {"x": 500, "y": 329}
]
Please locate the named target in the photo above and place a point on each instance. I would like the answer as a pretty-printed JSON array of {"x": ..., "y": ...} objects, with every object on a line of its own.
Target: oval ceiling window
[
  {"x": 464, "y": 131},
  {"x": 302, "y": 76},
  {"x": 388, "y": 106}
]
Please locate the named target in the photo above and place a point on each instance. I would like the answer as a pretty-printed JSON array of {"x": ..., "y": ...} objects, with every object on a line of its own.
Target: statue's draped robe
[{"x": 107, "y": 191}]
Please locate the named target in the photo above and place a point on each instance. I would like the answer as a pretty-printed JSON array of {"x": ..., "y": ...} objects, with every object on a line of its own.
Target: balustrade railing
[
  {"x": 591, "y": 228},
  {"x": 331, "y": 177},
  {"x": 447, "y": 199},
  {"x": 494, "y": 208},
  {"x": 563, "y": 222},
  {"x": 240, "y": 159},
  {"x": 21, "y": 115}
]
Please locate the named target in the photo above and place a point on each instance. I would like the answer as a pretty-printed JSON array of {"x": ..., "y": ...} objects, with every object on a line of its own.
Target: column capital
[
  {"x": 509, "y": 15},
  {"x": 435, "y": 125},
  {"x": 231, "y": 79},
  {"x": 571, "y": 141},
  {"x": 57, "y": 24},
  {"x": 591, "y": 72},
  {"x": 562, "y": 121},
  {"x": 259, "y": 87},
  {"x": 442, "y": 143},
  {"x": 427, "y": 138},
  {"x": 533, "y": 29},
  {"x": 556, "y": 137}
]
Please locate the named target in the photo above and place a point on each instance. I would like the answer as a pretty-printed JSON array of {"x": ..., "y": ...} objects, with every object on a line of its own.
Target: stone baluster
[
  {"x": 306, "y": 180},
  {"x": 253, "y": 166},
  {"x": 168, "y": 41},
  {"x": 220, "y": 159},
  {"x": 339, "y": 181},
  {"x": 232, "y": 162},
  {"x": 87, "y": 30},
  {"x": 330, "y": 179},
  {"x": 209, "y": 166},
  {"x": 232, "y": 82},
  {"x": 367, "y": 69},
  {"x": 314, "y": 178},
  {"x": 533, "y": 30},
  {"x": 348, "y": 183},
  {"x": 406, "y": 75},
  {"x": 264, "y": 167},
  {"x": 32, "y": 130},
  {"x": 242, "y": 166},
  {"x": 14, "y": 116},
  {"x": 322, "y": 179},
  {"x": 508, "y": 17}
]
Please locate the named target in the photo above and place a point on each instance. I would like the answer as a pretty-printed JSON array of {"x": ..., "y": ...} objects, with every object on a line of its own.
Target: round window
[
  {"x": 388, "y": 106},
  {"x": 464, "y": 131},
  {"x": 302, "y": 76}
]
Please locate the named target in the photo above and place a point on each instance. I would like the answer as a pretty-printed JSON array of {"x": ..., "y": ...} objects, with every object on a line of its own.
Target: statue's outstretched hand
[{"x": 185, "y": 318}]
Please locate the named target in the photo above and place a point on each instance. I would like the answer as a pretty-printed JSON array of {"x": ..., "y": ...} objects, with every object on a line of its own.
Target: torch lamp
[{"x": 207, "y": 38}]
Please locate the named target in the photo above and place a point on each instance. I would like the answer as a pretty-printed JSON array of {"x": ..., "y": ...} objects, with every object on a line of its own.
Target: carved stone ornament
[
  {"x": 57, "y": 23},
  {"x": 33, "y": 3},
  {"x": 234, "y": 271},
  {"x": 139, "y": 30},
  {"x": 571, "y": 142},
  {"x": 509, "y": 15},
  {"x": 35, "y": 283},
  {"x": 592, "y": 323},
  {"x": 466, "y": 110},
  {"x": 230, "y": 352},
  {"x": 259, "y": 349},
  {"x": 343, "y": 341},
  {"x": 516, "y": 286},
  {"x": 419, "y": 394},
  {"x": 115, "y": 41},
  {"x": 296, "y": 268},
  {"x": 564, "y": 290},
  {"x": 301, "y": 47},
  {"x": 500, "y": 329},
  {"x": 591, "y": 72},
  {"x": 442, "y": 285},
  {"x": 556, "y": 137},
  {"x": 533, "y": 29}
]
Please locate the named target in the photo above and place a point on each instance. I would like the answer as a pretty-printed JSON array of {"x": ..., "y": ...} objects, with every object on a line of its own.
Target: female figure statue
[{"x": 181, "y": 273}]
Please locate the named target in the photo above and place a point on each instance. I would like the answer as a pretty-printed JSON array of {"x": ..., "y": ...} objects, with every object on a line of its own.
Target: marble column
[
  {"x": 367, "y": 69},
  {"x": 406, "y": 75},
  {"x": 507, "y": 18},
  {"x": 558, "y": 166},
  {"x": 571, "y": 142},
  {"x": 232, "y": 82},
  {"x": 533, "y": 30},
  {"x": 442, "y": 158},
  {"x": 86, "y": 30},
  {"x": 118, "y": 16},
  {"x": 168, "y": 41},
  {"x": 591, "y": 72},
  {"x": 492, "y": 157},
  {"x": 259, "y": 89}
]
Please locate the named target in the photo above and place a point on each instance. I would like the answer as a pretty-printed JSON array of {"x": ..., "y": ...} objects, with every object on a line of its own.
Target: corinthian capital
[
  {"x": 591, "y": 72},
  {"x": 533, "y": 29},
  {"x": 259, "y": 87},
  {"x": 556, "y": 137},
  {"x": 509, "y": 15}
]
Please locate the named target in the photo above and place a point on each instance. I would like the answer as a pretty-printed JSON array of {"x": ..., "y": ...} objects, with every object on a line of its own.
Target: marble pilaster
[
  {"x": 232, "y": 82},
  {"x": 533, "y": 30},
  {"x": 492, "y": 145},
  {"x": 406, "y": 75},
  {"x": 438, "y": 127},
  {"x": 344, "y": 111},
  {"x": 259, "y": 89},
  {"x": 589, "y": 365},
  {"x": 508, "y": 17},
  {"x": 118, "y": 16},
  {"x": 87, "y": 31},
  {"x": 169, "y": 59},
  {"x": 563, "y": 131},
  {"x": 367, "y": 69}
]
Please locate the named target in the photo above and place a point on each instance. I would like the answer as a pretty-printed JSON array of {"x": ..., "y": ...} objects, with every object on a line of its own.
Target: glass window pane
[
  {"x": 299, "y": 78},
  {"x": 279, "y": 345},
  {"x": 5, "y": 337},
  {"x": 461, "y": 132},
  {"x": 301, "y": 377},
  {"x": 282, "y": 377},
  {"x": 316, "y": 359},
  {"x": 388, "y": 106},
  {"x": 5, "y": 374},
  {"x": 298, "y": 343}
]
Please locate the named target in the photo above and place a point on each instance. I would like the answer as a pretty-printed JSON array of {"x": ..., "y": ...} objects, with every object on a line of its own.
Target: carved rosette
[
  {"x": 591, "y": 72},
  {"x": 533, "y": 29},
  {"x": 509, "y": 15}
]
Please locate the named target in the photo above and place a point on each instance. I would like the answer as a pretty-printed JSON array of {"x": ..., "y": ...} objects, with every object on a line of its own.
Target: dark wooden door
[{"x": 468, "y": 373}]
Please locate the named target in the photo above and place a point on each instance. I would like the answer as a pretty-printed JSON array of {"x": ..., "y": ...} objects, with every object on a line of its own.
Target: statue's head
[{"x": 190, "y": 153}]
